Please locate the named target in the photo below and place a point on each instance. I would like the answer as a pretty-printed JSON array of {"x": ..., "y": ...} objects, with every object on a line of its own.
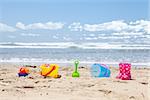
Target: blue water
[{"x": 69, "y": 54}]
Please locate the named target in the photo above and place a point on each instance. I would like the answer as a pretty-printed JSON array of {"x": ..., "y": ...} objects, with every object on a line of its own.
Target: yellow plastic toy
[{"x": 50, "y": 70}]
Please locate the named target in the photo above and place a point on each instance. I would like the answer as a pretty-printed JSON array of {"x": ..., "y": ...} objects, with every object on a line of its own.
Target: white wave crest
[{"x": 62, "y": 45}]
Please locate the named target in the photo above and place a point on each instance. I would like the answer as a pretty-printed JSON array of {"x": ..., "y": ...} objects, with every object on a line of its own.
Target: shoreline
[{"x": 82, "y": 63}]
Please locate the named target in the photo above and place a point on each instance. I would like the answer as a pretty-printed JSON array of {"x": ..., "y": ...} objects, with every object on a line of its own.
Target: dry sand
[{"x": 67, "y": 88}]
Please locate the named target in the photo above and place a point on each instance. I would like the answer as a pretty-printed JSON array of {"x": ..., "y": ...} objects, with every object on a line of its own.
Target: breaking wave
[{"x": 74, "y": 45}]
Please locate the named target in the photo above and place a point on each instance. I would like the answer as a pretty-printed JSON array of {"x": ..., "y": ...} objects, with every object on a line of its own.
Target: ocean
[{"x": 68, "y": 52}]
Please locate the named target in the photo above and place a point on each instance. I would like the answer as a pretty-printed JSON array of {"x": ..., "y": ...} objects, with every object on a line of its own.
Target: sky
[
  {"x": 85, "y": 11},
  {"x": 75, "y": 20}
]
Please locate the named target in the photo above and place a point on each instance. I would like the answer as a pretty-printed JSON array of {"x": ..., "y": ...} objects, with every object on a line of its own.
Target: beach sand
[{"x": 35, "y": 87}]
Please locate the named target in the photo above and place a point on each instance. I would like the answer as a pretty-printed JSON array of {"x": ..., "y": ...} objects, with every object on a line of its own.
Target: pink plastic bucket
[{"x": 124, "y": 71}]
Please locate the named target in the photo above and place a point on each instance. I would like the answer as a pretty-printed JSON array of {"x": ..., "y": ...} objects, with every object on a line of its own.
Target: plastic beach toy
[
  {"x": 76, "y": 73},
  {"x": 124, "y": 71},
  {"x": 23, "y": 71},
  {"x": 50, "y": 70},
  {"x": 100, "y": 70}
]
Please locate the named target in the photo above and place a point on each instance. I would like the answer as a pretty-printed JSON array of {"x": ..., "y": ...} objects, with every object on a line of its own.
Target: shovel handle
[{"x": 76, "y": 65}]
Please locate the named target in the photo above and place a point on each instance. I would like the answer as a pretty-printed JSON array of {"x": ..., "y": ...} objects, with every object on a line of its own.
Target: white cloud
[
  {"x": 89, "y": 38},
  {"x": 146, "y": 25},
  {"x": 114, "y": 37},
  {"x": 48, "y": 26},
  {"x": 54, "y": 37},
  {"x": 109, "y": 26},
  {"x": 20, "y": 25},
  {"x": 6, "y": 28},
  {"x": 29, "y": 34},
  {"x": 66, "y": 38},
  {"x": 115, "y": 26},
  {"x": 92, "y": 35},
  {"x": 128, "y": 33},
  {"x": 140, "y": 25},
  {"x": 75, "y": 26}
]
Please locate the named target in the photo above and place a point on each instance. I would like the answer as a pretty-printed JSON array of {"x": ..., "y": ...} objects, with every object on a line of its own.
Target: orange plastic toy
[{"x": 23, "y": 71}]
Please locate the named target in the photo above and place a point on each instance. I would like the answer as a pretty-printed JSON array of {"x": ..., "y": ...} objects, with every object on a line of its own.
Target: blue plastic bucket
[{"x": 100, "y": 70}]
